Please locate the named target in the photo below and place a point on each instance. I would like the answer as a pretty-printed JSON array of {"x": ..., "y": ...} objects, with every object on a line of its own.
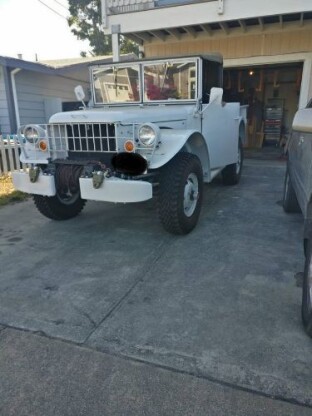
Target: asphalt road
[{"x": 107, "y": 314}]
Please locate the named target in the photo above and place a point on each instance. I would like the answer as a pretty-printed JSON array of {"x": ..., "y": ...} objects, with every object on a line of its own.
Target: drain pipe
[{"x": 13, "y": 83}]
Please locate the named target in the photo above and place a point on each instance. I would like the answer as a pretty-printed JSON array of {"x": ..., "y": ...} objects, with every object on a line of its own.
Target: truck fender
[{"x": 174, "y": 141}]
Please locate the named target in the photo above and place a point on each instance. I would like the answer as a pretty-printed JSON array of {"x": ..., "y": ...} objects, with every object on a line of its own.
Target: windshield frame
[{"x": 141, "y": 65}]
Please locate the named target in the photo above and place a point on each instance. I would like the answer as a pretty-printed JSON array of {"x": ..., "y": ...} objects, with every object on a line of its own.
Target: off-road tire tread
[
  {"x": 306, "y": 316},
  {"x": 169, "y": 193},
  {"x": 52, "y": 208},
  {"x": 229, "y": 175},
  {"x": 290, "y": 201}
]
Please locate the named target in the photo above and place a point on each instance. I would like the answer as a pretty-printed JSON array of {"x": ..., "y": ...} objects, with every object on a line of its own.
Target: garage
[
  {"x": 266, "y": 49},
  {"x": 272, "y": 95}
]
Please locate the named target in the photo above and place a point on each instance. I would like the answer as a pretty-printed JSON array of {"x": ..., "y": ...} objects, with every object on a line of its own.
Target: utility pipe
[{"x": 17, "y": 115}]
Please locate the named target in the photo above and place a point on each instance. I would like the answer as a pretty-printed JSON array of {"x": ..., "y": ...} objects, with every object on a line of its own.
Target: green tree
[
  {"x": 85, "y": 22},
  {"x": 127, "y": 46}
]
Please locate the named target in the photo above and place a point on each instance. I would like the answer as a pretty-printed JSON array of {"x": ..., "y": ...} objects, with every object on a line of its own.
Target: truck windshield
[
  {"x": 116, "y": 84},
  {"x": 173, "y": 80},
  {"x": 170, "y": 81}
]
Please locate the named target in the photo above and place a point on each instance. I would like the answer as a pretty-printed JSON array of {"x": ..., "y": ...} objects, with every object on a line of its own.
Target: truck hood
[{"x": 128, "y": 114}]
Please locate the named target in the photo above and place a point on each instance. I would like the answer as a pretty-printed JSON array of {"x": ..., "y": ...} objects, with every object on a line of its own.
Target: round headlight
[
  {"x": 147, "y": 134},
  {"x": 31, "y": 134}
]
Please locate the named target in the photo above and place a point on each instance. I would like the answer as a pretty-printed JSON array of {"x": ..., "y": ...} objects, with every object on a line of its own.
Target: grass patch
[{"x": 7, "y": 192}]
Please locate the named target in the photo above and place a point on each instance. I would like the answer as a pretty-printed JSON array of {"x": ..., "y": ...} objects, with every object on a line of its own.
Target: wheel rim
[
  {"x": 191, "y": 194},
  {"x": 68, "y": 198},
  {"x": 239, "y": 161}
]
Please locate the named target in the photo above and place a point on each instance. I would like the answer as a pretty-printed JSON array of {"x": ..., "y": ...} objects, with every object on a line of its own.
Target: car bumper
[
  {"x": 45, "y": 184},
  {"x": 111, "y": 190},
  {"x": 116, "y": 190}
]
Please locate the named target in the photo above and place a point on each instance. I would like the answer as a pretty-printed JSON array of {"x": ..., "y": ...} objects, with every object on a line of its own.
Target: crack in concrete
[
  {"x": 85, "y": 314},
  {"x": 2, "y": 328},
  {"x": 145, "y": 272},
  {"x": 130, "y": 358},
  {"x": 200, "y": 375}
]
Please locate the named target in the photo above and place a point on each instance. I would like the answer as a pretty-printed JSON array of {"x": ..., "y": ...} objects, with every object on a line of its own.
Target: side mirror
[
  {"x": 79, "y": 92},
  {"x": 216, "y": 95}
]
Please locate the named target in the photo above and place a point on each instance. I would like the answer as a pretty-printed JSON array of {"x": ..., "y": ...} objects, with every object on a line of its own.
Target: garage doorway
[{"x": 272, "y": 94}]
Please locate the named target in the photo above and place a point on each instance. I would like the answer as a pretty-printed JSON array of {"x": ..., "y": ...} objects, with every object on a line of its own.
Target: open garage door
[{"x": 272, "y": 94}]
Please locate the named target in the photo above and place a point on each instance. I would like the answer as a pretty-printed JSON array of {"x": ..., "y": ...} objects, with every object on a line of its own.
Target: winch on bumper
[{"x": 112, "y": 189}]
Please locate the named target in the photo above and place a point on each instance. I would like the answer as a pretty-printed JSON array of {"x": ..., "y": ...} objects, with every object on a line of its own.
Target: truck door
[
  {"x": 219, "y": 121},
  {"x": 220, "y": 129}
]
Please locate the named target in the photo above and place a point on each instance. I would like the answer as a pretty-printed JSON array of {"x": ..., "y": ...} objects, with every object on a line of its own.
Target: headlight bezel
[
  {"x": 33, "y": 133},
  {"x": 150, "y": 137}
]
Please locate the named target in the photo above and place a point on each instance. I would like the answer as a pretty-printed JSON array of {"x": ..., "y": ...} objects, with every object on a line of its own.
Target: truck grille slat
[{"x": 84, "y": 137}]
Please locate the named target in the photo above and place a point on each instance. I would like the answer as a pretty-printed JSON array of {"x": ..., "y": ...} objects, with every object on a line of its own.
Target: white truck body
[{"x": 179, "y": 119}]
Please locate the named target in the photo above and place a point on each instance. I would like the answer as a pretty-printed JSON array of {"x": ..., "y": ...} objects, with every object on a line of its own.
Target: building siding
[
  {"x": 4, "y": 112},
  {"x": 238, "y": 45},
  {"x": 34, "y": 89}
]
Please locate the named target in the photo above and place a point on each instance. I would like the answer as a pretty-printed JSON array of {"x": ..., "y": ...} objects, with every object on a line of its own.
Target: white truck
[{"x": 157, "y": 124}]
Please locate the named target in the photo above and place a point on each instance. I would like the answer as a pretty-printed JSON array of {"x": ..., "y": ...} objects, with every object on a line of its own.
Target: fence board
[
  {"x": 10, "y": 150},
  {"x": 16, "y": 153},
  {"x": 4, "y": 165}
]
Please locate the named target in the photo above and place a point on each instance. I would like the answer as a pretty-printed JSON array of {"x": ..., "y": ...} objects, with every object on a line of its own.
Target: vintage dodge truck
[{"x": 153, "y": 127}]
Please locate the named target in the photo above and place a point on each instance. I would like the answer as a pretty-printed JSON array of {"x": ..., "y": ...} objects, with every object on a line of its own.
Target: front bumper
[
  {"x": 45, "y": 184},
  {"x": 111, "y": 190}
]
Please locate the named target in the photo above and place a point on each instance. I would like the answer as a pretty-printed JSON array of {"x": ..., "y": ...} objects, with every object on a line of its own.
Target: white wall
[{"x": 201, "y": 12}]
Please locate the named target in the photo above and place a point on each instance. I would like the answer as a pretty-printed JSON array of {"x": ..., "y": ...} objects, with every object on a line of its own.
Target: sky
[{"x": 29, "y": 27}]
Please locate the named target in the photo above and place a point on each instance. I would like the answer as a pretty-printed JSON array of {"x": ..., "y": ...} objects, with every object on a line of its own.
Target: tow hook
[
  {"x": 97, "y": 179},
  {"x": 34, "y": 173}
]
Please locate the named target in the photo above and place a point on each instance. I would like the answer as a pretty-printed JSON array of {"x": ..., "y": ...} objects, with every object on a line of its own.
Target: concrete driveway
[{"x": 219, "y": 305}]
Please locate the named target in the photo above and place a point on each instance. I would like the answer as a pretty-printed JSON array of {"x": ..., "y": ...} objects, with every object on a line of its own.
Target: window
[
  {"x": 170, "y": 81},
  {"x": 116, "y": 84}
]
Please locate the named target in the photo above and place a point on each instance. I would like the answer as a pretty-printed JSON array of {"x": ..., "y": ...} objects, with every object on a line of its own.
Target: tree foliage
[{"x": 85, "y": 21}]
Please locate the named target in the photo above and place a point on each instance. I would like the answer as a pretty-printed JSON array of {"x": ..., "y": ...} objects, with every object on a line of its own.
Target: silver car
[{"x": 298, "y": 196}]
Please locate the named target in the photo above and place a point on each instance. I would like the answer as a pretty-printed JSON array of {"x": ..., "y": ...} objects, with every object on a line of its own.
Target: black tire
[
  {"x": 180, "y": 193},
  {"x": 231, "y": 174},
  {"x": 57, "y": 208},
  {"x": 306, "y": 307},
  {"x": 290, "y": 202}
]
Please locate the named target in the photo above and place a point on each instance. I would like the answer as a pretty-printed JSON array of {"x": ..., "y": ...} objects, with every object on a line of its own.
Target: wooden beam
[
  {"x": 133, "y": 38},
  {"x": 158, "y": 34},
  {"x": 280, "y": 18},
  {"x": 206, "y": 28},
  {"x": 224, "y": 27},
  {"x": 301, "y": 19},
  {"x": 175, "y": 33},
  {"x": 243, "y": 25},
  {"x": 144, "y": 36},
  {"x": 190, "y": 31},
  {"x": 261, "y": 24}
]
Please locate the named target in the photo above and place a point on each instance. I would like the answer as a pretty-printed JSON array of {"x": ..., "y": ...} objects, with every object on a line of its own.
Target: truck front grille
[{"x": 83, "y": 137}]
